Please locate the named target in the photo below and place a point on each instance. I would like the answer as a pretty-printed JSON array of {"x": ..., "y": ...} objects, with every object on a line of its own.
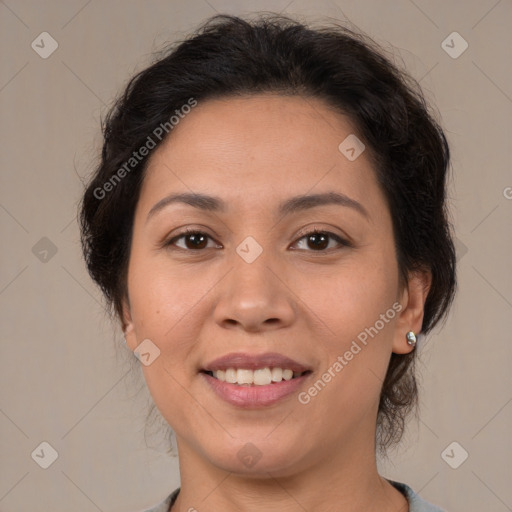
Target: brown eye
[
  {"x": 197, "y": 240},
  {"x": 319, "y": 240},
  {"x": 194, "y": 240}
]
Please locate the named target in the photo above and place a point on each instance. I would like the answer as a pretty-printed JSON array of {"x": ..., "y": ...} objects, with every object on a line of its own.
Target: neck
[{"x": 345, "y": 481}]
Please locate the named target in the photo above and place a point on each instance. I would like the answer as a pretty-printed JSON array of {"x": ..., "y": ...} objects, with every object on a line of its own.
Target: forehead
[{"x": 271, "y": 145}]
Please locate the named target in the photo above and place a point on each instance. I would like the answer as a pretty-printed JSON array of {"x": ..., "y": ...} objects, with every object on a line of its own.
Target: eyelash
[{"x": 191, "y": 231}]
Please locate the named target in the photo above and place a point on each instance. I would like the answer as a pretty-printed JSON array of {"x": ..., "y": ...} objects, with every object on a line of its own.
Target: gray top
[{"x": 416, "y": 504}]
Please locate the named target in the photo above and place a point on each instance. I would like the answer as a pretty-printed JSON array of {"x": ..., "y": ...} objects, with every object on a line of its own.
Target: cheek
[
  {"x": 353, "y": 297},
  {"x": 166, "y": 308},
  {"x": 163, "y": 296},
  {"x": 358, "y": 309},
  {"x": 162, "y": 309}
]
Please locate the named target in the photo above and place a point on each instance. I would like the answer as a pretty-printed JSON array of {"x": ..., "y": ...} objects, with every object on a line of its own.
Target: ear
[
  {"x": 127, "y": 325},
  {"x": 412, "y": 299}
]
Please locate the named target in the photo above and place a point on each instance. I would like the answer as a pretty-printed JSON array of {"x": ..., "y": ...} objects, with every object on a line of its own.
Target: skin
[{"x": 306, "y": 303}]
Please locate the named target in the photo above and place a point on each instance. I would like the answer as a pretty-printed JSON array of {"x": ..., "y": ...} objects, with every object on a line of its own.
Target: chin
[{"x": 258, "y": 456}]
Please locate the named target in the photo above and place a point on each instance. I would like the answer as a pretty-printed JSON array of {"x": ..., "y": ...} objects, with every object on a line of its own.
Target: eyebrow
[{"x": 294, "y": 204}]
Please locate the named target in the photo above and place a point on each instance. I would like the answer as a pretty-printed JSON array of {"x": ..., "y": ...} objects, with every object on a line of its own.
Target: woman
[{"x": 268, "y": 221}]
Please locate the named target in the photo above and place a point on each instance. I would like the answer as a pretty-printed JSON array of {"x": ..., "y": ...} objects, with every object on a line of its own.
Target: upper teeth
[{"x": 260, "y": 377}]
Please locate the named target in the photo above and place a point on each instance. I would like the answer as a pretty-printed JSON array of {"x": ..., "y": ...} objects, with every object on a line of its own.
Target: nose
[{"x": 254, "y": 297}]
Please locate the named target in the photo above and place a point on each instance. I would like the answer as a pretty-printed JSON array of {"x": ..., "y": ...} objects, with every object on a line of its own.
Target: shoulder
[
  {"x": 164, "y": 505},
  {"x": 416, "y": 503}
]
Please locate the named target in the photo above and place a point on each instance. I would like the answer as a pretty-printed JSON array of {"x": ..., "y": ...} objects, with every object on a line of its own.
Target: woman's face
[{"x": 253, "y": 287}]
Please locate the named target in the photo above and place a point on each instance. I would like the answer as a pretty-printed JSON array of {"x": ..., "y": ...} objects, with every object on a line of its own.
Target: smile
[
  {"x": 258, "y": 377},
  {"x": 252, "y": 381}
]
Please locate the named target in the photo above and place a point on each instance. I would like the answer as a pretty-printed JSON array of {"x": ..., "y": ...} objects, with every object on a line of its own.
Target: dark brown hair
[{"x": 229, "y": 56}]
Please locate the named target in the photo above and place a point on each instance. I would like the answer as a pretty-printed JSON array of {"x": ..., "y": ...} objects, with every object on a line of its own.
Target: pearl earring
[{"x": 411, "y": 338}]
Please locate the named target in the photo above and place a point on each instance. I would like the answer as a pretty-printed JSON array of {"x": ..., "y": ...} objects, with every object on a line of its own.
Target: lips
[
  {"x": 240, "y": 360},
  {"x": 246, "y": 393}
]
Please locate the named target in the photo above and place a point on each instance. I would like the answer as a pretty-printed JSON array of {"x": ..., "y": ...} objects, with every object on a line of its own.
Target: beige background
[{"x": 63, "y": 381}]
